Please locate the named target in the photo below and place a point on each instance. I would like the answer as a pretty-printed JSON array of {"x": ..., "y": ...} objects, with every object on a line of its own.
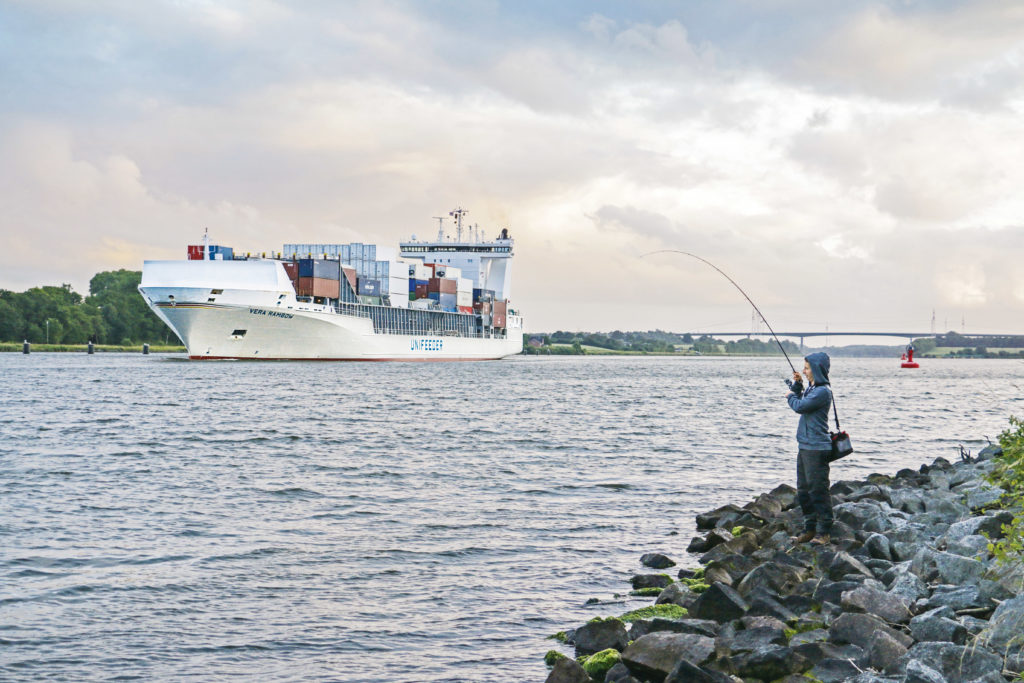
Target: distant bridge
[{"x": 800, "y": 335}]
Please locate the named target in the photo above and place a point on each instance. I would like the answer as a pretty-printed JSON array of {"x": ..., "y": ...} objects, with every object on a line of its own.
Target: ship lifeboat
[{"x": 908, "y": 359}]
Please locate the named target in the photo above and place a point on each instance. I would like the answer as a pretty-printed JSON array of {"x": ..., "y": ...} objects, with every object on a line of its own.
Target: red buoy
[{"x": 908, "y": 358}]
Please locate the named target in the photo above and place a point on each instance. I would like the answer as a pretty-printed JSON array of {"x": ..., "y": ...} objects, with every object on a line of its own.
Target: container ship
[{"x": 444, "y": 299}]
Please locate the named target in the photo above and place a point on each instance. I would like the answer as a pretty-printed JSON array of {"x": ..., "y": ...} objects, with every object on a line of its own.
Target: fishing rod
[{"x": 723, "y": 273}]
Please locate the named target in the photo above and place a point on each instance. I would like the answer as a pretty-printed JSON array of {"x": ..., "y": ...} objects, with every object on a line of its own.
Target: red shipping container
[
  {"x": 317, "y": 286},
  {"x": 195, "y": 252},
  {"x": 422, "y": 291},
  {"x": 499, "y": 320},
  {"x": 441, "y": 285},
  {"x": 465, "y": 309},
  {"x": 482, "y": 307},
  {"x": 500, "y": 308},
  {"x": 350, "y": 275},
  {"x": 292, "y": 268}
]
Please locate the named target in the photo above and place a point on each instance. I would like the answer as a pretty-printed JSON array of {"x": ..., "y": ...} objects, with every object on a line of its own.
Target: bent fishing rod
[{"x": 723, "y": 273}]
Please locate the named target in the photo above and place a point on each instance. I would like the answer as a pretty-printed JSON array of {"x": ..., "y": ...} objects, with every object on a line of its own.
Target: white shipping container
[
  {"x": 450, "y": 272},
  {"x": 464, "y": 285},
  {"x": 464, "y": 298},
  {"x": 399, "y": 299}
]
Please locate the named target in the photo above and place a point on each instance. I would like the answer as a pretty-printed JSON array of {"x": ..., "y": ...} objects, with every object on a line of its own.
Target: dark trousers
[{"x": 812, "y": 490}]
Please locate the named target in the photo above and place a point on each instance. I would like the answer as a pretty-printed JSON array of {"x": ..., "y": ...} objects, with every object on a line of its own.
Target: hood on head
[{"x": 819, "y": 363}]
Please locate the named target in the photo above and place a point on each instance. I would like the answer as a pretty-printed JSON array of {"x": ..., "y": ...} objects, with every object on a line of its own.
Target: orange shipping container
[
  {"x": 316, "y": 286},
  {"x": 441, "y": 285},
  {"x": 350, "y": 275},
  {"x": 500, "y": 308}
]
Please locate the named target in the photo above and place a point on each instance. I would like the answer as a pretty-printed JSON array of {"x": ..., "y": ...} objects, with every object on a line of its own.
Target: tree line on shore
[{"x": 112, "y": 313}]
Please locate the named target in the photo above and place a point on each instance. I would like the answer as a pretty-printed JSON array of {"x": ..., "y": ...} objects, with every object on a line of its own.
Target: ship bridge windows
[{"x": 238, "y": 334}]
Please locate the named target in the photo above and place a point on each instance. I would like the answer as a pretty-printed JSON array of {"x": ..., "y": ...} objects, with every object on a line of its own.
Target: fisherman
[{"x": 815, "y": 443}]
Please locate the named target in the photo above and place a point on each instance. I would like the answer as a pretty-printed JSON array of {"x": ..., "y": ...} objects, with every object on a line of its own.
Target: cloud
[{"x": 802, "y": 150}]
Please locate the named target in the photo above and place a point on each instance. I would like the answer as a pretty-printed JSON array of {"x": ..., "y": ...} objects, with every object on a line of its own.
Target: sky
[{"x": 855, "y": 165}]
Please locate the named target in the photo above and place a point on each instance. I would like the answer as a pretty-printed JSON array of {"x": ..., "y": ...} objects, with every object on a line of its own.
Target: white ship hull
[{"x": 235, "y": 310}]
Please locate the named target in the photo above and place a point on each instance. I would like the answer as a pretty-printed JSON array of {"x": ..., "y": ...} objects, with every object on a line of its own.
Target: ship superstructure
[{"x": 443, "y": 299}]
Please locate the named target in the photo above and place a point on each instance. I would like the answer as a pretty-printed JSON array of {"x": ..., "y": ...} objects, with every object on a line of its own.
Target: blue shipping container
[
  {"x": 327, "y": 270},
  {"x": 448, "y": 302},
  {"x": 368, "y": 287}
]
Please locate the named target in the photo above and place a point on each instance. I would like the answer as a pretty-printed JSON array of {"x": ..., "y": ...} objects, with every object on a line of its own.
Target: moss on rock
[
  {"x": 560, "y": 636},
  {"x": 667, "y": 611},
  {"x": 647, "y": 592},
  {"x": 597, "y": 664},
  {"x": 552, "y": 657}
]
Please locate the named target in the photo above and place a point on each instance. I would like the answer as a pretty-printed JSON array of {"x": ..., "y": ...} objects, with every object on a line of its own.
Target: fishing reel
[{"x": 796, "y": 387}]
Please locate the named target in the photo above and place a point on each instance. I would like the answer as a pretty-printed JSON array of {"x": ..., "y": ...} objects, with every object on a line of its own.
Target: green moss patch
[
  {"x": 553, "y": 656},
  {"x": 597, "y": 664},
  {"x": 560, "y": 636},
  {"x": 663, "y": 611},
  {"x": 647, "y": 592}
]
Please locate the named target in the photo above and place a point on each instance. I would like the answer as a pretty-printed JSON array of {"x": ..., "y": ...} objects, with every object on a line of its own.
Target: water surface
[{"x": 166, "y": 519}]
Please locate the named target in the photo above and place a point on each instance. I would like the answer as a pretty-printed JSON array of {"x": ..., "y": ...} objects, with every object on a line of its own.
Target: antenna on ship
[
  {"x": 458, "y": 214},
  {"x": 440, "y": 228},
  {"x": 206, "y": 245}
]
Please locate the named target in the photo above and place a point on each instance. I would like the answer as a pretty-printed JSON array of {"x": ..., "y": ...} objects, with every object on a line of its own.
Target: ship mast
[{"x": 458, "y": 214}]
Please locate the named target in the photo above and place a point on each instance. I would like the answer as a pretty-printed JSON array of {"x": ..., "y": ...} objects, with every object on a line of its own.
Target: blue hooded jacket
[{"x": 813, "y": 405}]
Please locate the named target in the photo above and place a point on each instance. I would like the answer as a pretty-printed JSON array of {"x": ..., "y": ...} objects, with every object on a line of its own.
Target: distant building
[{"x": 536, "y": 342}]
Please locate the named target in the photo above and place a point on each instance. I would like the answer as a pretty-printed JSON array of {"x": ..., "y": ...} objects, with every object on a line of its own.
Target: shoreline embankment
[
  {"x": 915, "y": 587},
  {"x": 10, "y": 347}
]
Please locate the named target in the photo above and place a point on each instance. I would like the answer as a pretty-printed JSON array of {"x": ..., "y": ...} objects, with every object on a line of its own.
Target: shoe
[
  {"x": 804, "y": 537},
  {"x": 821, "y": 539}
]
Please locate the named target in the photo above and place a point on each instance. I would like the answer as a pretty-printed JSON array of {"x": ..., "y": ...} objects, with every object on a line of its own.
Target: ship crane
[{"x": 440, "y": 228}]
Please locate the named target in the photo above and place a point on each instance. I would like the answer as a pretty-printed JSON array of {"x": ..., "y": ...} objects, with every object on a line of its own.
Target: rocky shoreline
[{"x": 907, "y": 592}]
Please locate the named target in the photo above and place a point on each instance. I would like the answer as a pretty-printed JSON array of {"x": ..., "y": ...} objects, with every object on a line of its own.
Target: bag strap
[{"x": 834, "y": 411}]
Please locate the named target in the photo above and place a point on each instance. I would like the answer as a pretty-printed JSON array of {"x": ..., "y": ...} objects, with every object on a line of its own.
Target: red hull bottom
[{"x": 349, "y": 360}]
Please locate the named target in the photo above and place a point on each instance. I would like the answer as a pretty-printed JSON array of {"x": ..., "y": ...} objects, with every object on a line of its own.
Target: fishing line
[{"x": 723, "y": 273}]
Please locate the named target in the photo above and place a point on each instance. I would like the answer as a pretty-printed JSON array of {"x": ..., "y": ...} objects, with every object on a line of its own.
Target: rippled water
[{"x": 165, "y": 519}]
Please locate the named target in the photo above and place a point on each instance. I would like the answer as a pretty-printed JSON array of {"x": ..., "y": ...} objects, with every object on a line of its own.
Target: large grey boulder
[
  {"x": 656, "y": 654},
  {"x": 751, "y": 639},
  {"x": 701, "y": 627},
  {"x": 656, "y": 561},
  {"x": 567, "y": 671},
  {"x": 956, "y": 663},
  {"x": 877, "y": 546},
  {"x": 981, "y": 524},
  {"x": 956, "y": 569},
  {"x": 957, "y": 597},
  {"x": 720, "y": 603},
  {"x": 769, "y": 663},
  {"x": 834, "y": 671},
  {"x": 677, "y": 594},
  {"x": 938, "y": 625},
  {"x": 844, "y": 563},
  {"x": 884, "y": 652},
  {"x": 908, "y": 587},
  {"x": 619, "y": 673},
  {"x": 776, "y": 577},
  {"x": 982, "y": 495},
  {"x": 595, "y": 636},
  {"x": 892, "y": 608},
  {"x": 639, "y": 581},
  {"x": 1006, "y": 627},
  {"x": 685, "y": 672},
  {"x": 719, "y": 517},
  {"x": 919, "y": 672},
  {"x": 858, "y": 629},
  {"x": 974, "y": 546}
]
